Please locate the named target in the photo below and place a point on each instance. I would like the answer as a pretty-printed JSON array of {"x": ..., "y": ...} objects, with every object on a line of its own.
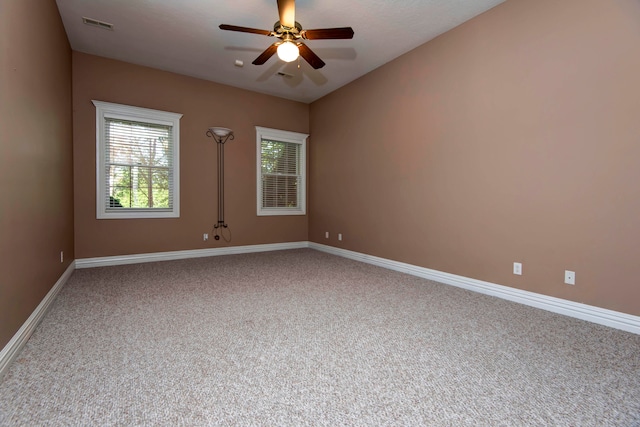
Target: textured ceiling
[{"x": 183, "y": 37}]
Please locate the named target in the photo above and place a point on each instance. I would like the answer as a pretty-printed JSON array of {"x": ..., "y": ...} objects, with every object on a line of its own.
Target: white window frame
[
  {"x": 282, "y": 136},
  {"x": 144, "y": 115}
]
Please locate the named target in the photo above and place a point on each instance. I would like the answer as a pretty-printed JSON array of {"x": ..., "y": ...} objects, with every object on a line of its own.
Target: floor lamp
[{"x": 220, "y": 135}]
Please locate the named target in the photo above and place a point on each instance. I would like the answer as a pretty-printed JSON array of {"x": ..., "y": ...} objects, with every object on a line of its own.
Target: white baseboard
[
  {"x": 13, "y": 347},
  {"x": 614, "y": 319},
  {"x": 195, "y": 253}
]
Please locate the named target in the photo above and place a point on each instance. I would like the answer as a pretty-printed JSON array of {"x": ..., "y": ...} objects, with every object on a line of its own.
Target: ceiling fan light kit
[
  {"x": 288, "y": 52},
  {"x": 291, "y": 32}
]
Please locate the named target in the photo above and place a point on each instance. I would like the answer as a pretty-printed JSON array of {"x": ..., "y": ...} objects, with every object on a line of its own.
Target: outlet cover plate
[
  {"x": 570, "y": 277},
  {"x": 517, "y": 268}
]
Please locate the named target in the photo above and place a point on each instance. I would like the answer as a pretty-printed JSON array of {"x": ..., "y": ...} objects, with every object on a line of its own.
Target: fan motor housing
[{"x": 280, "y": 29}]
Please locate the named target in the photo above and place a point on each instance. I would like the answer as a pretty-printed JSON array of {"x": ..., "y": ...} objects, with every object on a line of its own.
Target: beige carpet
[{"x": 306, "y": 338}]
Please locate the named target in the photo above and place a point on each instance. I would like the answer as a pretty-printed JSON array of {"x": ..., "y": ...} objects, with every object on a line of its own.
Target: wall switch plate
[
  {"x": 326, "y": 234},
  {"x": 339, "y": 236},
  {"x": 517, "y": 268},
  {"x": 570, "y": 277},
  {"x": 205, "y": 237}
]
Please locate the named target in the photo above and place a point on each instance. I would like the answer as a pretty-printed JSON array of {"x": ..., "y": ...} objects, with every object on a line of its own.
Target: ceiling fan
[{"x": 290, "y": 33}]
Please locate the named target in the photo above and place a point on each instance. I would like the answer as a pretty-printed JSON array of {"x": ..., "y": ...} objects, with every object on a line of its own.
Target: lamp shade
[
  {"x": 220, "y": 132},
  {"x": 288, "y": 51}
]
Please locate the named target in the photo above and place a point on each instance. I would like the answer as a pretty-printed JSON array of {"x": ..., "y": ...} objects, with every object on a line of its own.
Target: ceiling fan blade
[
  {"x": 264, "y": 56},
  {"x": 287, "y": 11},
  {"x": 308, "y": 55},
  {"x": 245, "y": 30},
  {"x": 328, "y": 33}
]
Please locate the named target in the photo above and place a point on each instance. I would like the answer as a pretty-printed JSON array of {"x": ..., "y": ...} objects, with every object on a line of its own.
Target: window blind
[
  {"x": 138, "y": 165},
  {"x": 281, "y": 174}
]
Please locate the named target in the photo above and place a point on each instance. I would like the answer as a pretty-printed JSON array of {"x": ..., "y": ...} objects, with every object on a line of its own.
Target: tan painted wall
[
  {"x": 36, "y": 182},
  {"x": 514, "y": 137},
  {"x": 203, "y": 104}
]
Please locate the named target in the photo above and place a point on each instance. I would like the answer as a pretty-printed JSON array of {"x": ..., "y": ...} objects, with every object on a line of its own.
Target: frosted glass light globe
[{"x": 288, "y": 51}]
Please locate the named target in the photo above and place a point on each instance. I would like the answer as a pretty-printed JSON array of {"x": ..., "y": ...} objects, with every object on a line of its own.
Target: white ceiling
[{"x": 183, "y": 37}]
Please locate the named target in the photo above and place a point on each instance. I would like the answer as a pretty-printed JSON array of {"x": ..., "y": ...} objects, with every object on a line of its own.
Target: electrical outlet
[
  {"x": 61, "y": 256},
  {"x": 570, "y": 277},
  {"x": 517, "y": 268},
  {"x": 340, "y": 236},
  {"x": 205, "y": 237},
  {"x": 326, "y": 234}
]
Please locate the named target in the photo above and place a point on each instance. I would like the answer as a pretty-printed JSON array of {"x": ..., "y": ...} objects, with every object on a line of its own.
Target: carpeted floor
[{"x": 306, "y": 338}]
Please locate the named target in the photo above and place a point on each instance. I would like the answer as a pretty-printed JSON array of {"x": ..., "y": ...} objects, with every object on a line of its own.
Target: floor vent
[{"x": 96, "y": 23}]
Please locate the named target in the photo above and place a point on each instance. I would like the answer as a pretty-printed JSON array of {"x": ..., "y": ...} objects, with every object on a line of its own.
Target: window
[
  {"x": 137, "y": 162},
  {"x": 281, "y": 172}
]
